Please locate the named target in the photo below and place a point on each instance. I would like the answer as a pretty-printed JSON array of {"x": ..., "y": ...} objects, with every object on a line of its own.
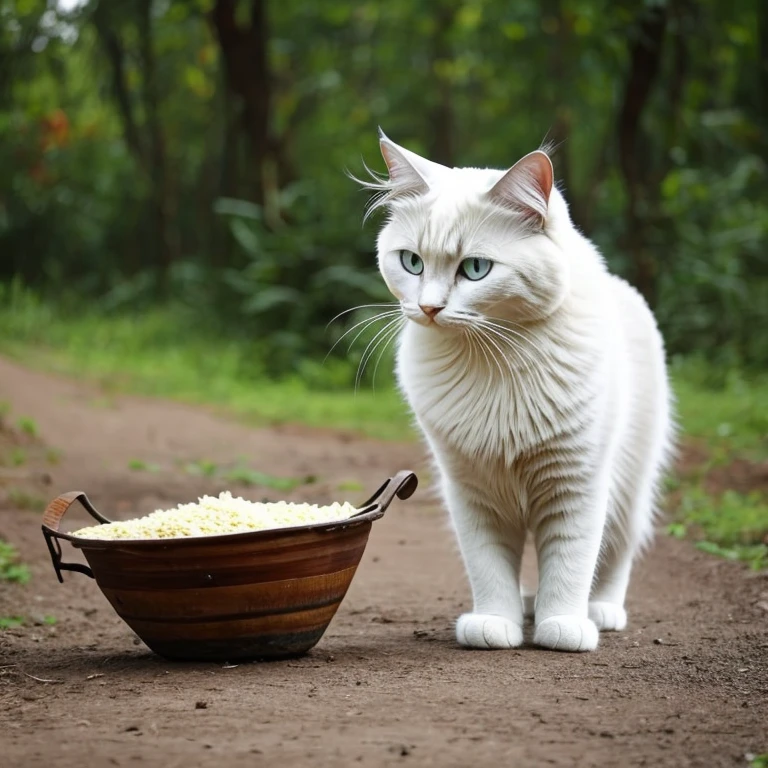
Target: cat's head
[{"x": 463, "y": 244}]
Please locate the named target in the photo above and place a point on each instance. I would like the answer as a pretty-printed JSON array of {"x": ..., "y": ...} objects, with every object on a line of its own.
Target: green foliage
[
  {"x": 132, "y": 166},
  {"x": 139, "y": 465},
  {"x": 10, "y": 567},
  {"x": 248, "y": 476},
  {"x": 731, "y": 525},
  {"x": 725, "y": 407},
  {"x": 153, "y": 353},
  {"x": 11, "y": 622},
  {"x": 758, "y": 761},
  {"x": 28, "y": 426}
]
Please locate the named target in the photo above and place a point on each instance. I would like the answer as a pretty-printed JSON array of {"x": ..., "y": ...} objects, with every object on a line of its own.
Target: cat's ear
[
  {"x": 408, "y": 173},
  {"x": 526, "y": 186}
]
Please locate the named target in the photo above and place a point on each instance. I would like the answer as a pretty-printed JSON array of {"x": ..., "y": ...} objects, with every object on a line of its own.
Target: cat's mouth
[{"x": 445, "y": 318}]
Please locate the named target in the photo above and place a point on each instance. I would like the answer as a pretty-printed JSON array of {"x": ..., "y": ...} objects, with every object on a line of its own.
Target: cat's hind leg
[
  {"x": 606, "y": 603},
  {"x": 492, "y": 550},
  {"x": 629, "y": 526}
]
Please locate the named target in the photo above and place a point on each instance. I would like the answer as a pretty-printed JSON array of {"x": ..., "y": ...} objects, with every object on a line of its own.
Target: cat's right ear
[
  {"x": 526, "y": 187},
  {"x": 408, "y": 172}
]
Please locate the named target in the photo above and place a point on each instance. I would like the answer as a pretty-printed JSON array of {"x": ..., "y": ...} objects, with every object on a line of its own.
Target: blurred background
[
  {"x": 190, "y": 154},
  {"x": 176, "y": 217}
]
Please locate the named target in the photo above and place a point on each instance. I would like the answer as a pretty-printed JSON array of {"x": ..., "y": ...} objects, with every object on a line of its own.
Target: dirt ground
[{"x": 685, "y": 685}]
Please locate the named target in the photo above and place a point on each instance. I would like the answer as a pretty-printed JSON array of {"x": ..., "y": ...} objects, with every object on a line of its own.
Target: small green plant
[
  {"x": 350, "y": 485},
  {"x": 139, "y": 465},
  {"x": 248, "y": 476},
  {"x": 53, "y": 455},
  {"x": 9, "y": 622},
  {"x": 28, "y": 426},
  {"x": 22, "y": 499},
  {"x": 10, "y": 567},
  {"x": 758, "y": 761},
  {"x": 203, "y": 467},
  {"x": 732, "y": 525},
  {"x": 18, "y": 457},
  {"x": 49, "y": 620}
]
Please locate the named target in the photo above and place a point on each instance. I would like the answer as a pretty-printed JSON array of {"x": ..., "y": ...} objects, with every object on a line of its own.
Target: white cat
[{"x": 539, "y": 382}]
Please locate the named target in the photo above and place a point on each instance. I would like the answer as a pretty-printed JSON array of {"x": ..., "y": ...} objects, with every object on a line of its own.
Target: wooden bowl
[{"x": 264, "y": 594}]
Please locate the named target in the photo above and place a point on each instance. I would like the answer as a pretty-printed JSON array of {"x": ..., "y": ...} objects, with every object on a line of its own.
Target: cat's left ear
[
  {"x": 526, "y": 186},
  {"x": 407, "y": 170}
]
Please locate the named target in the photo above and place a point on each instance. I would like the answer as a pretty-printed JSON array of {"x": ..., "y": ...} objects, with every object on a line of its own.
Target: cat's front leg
[
  {"x": 568, "y": 535},
  {"x": 492, "y": 550}
]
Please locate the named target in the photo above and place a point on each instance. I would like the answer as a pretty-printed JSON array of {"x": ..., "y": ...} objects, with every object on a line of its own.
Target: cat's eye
[
  {"x": 475, "y": 268},
  {"x": 411, "y": 262}
]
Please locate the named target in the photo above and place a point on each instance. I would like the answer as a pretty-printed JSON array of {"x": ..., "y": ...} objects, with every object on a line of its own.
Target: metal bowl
[{"x": 264, "y": 594}]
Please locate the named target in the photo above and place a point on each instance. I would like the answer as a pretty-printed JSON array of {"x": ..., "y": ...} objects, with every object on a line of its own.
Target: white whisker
[
  {"x": 361, "y": 306},
  {"x": 366, "y": 324},
  {"x": 392, "y": 335},
  {"x": 369, "y": 350}
]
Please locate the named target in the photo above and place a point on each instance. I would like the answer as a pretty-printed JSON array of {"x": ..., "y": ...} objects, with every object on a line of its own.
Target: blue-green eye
[
  {"x": 475, "y": 269},
  {"x": 411, "y": 262}
]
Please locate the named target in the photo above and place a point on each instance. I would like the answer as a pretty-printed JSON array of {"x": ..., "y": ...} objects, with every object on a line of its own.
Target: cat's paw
[
  {"x": 566, "y": 633},
  {"x": 529, "y": 605},
  {"x": 609, "y": 617},
  {"x": 482, "y": 630}
]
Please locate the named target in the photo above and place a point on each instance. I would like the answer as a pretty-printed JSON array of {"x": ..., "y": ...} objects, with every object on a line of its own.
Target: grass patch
[
  {"x": 730, "y": 525},
  {"x": 139, "y": 465},
  {"x": 22, "y": 499},
  {"x": 11, "y": 569},
  {"x": 158, "y": 353},
  {"x": 726, "y": 409},
  {"x": 10, "y": 622},
  {"x": 28, "y": 426}
]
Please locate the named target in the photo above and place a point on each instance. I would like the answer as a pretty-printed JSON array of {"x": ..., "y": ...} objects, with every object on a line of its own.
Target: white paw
[
  {"x": 529, "y": 605},
  {"x": 481, "y": 630},
  {"x": 608, "y": 616},
  {"x": 566, "y": 633}
]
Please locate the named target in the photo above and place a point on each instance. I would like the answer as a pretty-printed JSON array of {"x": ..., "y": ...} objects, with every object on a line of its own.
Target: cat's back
[{"x": 641, "y": 337}]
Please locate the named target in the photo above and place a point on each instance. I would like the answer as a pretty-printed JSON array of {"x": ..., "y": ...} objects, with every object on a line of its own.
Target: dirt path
[{"x": 685, "y": 685}]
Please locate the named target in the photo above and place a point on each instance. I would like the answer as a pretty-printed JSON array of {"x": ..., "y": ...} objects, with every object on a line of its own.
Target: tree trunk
[
  {"x": 645, "y": 61},
  {"x": 167, "y": 246},
  {"x": 441, "y": 116},
  {"x": 244, "y": 51}
]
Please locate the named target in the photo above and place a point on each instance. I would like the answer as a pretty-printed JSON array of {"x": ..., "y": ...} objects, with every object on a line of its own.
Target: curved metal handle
[
  {"x": 51, "y": 519},
  {"x": 402, "y": 485}
]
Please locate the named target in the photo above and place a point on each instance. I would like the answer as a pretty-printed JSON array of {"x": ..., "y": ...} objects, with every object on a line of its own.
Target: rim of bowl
[{"x": 367, "y": 514}]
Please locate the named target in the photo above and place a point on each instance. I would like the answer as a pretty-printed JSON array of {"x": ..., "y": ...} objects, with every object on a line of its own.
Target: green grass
[
  {"x": 10, "y": 567},
  {"x": 139, "y": 465},
  {"x": 158, "y": 353},
  {"x": 731, "y": 525},
  {"x": 726, "y": 409},
  {"x": 759, "y": 761},
  {"x": 10, "y": 622},
  {"x": 28, "y": 426},
  {"x": 22, "y": 499}
]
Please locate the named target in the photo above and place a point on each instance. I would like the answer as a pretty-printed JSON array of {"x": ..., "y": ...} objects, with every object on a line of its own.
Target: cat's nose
[{"x": 430, "y": 311}]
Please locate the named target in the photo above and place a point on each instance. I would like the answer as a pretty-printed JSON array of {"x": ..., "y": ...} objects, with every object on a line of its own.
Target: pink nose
[{"x": 430, "y": 312}]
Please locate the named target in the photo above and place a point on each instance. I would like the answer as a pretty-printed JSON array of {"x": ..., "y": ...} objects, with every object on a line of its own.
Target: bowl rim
[
  {"x": 367, "y": 514},
  {"x": 401, "y": 485}
]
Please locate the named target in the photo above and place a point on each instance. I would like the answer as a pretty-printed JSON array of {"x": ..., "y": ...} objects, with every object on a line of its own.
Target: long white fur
[{"x": 557, "y": 421}]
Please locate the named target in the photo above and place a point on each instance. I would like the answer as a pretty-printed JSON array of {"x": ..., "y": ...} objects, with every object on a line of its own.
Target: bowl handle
[
  {"x": 51, "y": 519},
  {"x": 402, "y": 485}
]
